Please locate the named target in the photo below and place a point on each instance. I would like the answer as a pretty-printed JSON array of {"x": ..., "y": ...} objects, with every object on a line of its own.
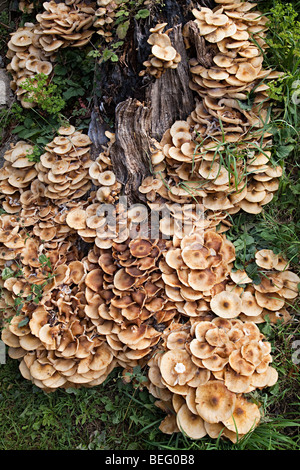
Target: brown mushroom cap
[
  {"x": 271, "y": 301},
  {"x": 202, "y": 279},
  {"x": 266, "y": 259},
  {"x": 215, "y": 402},
  {"x": 226, "y": 304},
  {"x": 240, "y": 365},
  {"x": 76, "y": 219},
  {"x": 176, "y": 367},
  {"x": 245, "y": 417},
  {"x": 189, "y": 423},
  {"x": 249, "y": 305},
  {"x": 235, "y": 382},
  {"x": 164, "y": 53}
]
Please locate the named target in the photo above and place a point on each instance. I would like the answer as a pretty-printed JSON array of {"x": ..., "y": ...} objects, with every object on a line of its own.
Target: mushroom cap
[
  {"x": 160, "y": 39},
  {"x": 189, "y": 423},
  {"x": 245, "y": 417},
  {"x": 201, "y": 350},
  {"x": 123, "y": 281},
  {"x": 235, "y": 382},
  {"x": 177, "y": 339},
  {"x": 201, "y": 329},
  {"x": 254, "y": 352},
  {"x": 264, "y": 379},
  {"x": 22, "y": 38},
  {"x": 169, "y": 425},
  {"x": 41, "y": 371},
  {"x": 66, "y": 130},
  {"x": 271, "y": 301},
  {"x": 195, "y": 256},
  {"x": 76, "y": 219},
  {"x": 107, "y": 178},
  {"x": 164, "y": 53},
  {"x": 266, "y": 259},
  {"x": 246, "y": 72},
  {"x": 44, "y": 66},
  {"x": 240, "y": 277},
  {"x": 249, "y": 304},
  {"x": 176, "y": 367},
  {"x": 174, "y": 258},
  {"x": 214, "y": 402},
  {"x": 239, "y": 364},
  {"x": 202, "y": 279},
  {"x": 226, "y": 304},
  {"x": 94, "y": 280},
  {"x": 215, "y": 362}
]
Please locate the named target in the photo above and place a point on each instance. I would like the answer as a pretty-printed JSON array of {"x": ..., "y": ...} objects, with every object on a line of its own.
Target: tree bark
[{"x": 131, "y": 151}]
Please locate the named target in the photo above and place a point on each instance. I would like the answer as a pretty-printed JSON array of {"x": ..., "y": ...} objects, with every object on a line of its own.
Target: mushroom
[
  {"x": 214, "y": 402},
  {"x": 226, "y": 305},
  {"x": 189, "y": 423},
  {"x": 245, "y": 417},
  {"x": 163, "y": 55}
]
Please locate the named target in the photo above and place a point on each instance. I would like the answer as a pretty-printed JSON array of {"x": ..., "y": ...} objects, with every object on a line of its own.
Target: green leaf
[
  {"x": 73, "y": 92},
  {"x": 142, "y": 14},
  {"x": 283, "y": 151},
  {"x": 114, "y": 58},
  {"x": 122, "y": 29},
  {"x": 17, "y": 129},
  {"x": 7, "y": 273},
  {"x": 121, "y": 13},
  {"x": 107, "y": 54},
  {"x": 245, "y": 105},
  {"x": 23, "y": 322},
  {"x": 45, "y": 261},
  {"x": 60, "y": 70}
]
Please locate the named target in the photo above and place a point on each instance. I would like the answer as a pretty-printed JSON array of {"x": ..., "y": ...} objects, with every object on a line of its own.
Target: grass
[
  {"x": 121, "y": 417},
  {"x": 115, "y": 416}
]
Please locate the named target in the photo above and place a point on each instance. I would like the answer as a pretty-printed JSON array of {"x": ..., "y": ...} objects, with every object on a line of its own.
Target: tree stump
[{"x": 143, "y": 108}]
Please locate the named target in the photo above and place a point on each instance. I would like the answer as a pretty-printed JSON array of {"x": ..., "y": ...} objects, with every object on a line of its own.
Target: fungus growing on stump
[{"x": 85, "y": 291}]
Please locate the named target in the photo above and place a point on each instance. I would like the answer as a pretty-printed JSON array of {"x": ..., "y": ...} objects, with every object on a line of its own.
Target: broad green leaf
[{"x": 122, "y": 29}]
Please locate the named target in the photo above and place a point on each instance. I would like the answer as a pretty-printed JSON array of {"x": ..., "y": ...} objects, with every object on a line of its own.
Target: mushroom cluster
[
  {"x": 163, "y": 55},
  {"x": 221, "y": 156},
  {"x": 26, "y": 196},
  {"x": 65, "y": 24},
  {"x": 199, "y": 277},
  {"x": 58, "y": 345},
  {"x": 33, "y": 47},
  {"x": 105, "y": 18},
  {"x": 201, "y": 372},
  {"x": 238, "y": 37},
  {"x": 126, "y": 299},
  {"x": 195, "y": 270},
  {"x": 63, "y": 168},
  {"x": 43, "y": 288},
  {"x": 172, "y": 303},
  {"x": 103, "y": 176},
  {"x": 16, "y": 175},
  {"x": 28, "y": 58},
  {"x": 224, "y": 177},
  {"x": 100, "y": 221},
  {"x": 278, "y": 288}
]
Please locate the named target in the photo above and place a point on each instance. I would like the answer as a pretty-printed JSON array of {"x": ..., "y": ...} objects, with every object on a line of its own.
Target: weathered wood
[
  {"x": 96, "y": 133},
  {"x": 170, "y": 96},
  {"x": 131, "y": 151},
  {"x": 204, "y": 51}
]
